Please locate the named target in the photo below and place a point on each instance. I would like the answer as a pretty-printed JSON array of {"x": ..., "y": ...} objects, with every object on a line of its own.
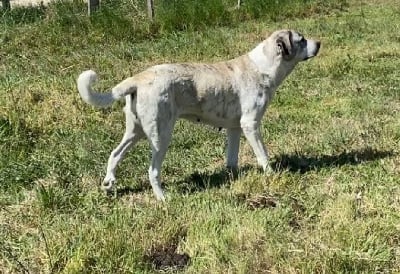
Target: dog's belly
[
  {"x": 218, "y": 109},
  {"x": 212, "y": 120}
]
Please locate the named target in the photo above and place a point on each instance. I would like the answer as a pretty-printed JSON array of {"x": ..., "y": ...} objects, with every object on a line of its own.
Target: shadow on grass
[
  {"x": 303, "y": 164},
  {"x": 199, "y": 181},
  {"x": 195, "y": 182},
  {"x": 127, "y": 190}
]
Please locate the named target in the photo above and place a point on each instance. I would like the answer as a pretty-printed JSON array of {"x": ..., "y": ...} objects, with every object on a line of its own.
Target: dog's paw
[
  {"x": 107, "y": 185},
  {"x": 159, "y": 194},
  {"x": 161, "y": 198},
  {"x": 268, "y": 170}
]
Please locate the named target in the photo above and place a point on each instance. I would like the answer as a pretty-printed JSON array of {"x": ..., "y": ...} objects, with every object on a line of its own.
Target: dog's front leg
[
  {"x": 232, "y": 153},
  {"x": 252, "y": 133}
]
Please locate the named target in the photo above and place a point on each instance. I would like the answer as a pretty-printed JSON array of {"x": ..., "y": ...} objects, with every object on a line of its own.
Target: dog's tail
[{"x": 85, "y": 81}]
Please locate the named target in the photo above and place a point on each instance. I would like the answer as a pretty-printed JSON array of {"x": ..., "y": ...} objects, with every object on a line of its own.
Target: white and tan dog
[{"x": 232, "y": 94}]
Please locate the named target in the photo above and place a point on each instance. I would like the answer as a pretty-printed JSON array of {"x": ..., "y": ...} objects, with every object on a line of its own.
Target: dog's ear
[{"x": 285, "y": 45}]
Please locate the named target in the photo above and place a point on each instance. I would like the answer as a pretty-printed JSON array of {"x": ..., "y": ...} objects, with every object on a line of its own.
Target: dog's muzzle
[{"x": 312, "y": 49}]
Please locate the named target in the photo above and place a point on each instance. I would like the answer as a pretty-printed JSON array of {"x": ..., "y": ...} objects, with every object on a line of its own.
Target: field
[{"x": 333, "y": 132}]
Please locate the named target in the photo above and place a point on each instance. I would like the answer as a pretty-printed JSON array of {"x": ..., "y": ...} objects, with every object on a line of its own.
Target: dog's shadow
[
  {"x": 126, "y": 190},
  {"x": 303, "y": 164},
  {"x": 200, "y": 181},
  {"x": 295, "y": 163},
  {"x": 195, "y": 182}
]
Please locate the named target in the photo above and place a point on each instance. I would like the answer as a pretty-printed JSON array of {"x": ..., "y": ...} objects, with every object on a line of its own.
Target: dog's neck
[
  {"x": 262, "y": 62},
  {"x": 268, "y": 66}
]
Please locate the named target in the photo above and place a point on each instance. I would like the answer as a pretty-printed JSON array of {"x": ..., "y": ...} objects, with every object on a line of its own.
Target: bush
[
  {"x": 127, "y": 20},
  {"x": 191, "y": 14}
]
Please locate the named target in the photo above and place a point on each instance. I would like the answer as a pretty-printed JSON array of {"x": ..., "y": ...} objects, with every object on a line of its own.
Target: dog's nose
[{"x": 317, "y": 46}]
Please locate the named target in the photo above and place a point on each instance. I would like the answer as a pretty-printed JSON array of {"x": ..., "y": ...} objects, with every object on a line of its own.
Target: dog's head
[
  {"x": 282, "y": 50},
  {"x": 291, "y": 46}
]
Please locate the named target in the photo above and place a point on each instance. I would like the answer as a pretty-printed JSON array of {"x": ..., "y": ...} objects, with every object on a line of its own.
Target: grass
[{"x": 333, "y": 132}]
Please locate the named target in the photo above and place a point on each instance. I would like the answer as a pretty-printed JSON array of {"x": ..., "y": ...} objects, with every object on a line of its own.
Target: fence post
[
  {"x": 92, "y": 6},
  {"x": 150, "y": 9},
  {"x": 6, "y": 4}
]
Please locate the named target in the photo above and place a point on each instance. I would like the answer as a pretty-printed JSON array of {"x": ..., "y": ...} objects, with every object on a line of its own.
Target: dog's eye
[{"x": 302, "y": 41}]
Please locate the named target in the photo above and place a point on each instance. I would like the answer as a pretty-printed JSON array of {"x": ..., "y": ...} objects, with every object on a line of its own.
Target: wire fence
[{"x": 93, "y": 5}]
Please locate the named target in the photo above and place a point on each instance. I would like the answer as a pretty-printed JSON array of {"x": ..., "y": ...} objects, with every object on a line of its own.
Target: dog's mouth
[{"x": 309, "y": 57}]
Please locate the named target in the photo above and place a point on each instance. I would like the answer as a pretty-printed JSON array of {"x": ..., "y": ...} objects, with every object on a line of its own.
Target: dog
[{"x": 231, "y": 94}]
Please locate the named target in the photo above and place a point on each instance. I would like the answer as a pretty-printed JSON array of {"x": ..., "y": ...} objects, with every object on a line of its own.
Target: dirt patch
[
  {"x": 298, "y": 211},
  {"x": 261, "y": 201},
  {"x": 166, "y": 257}
]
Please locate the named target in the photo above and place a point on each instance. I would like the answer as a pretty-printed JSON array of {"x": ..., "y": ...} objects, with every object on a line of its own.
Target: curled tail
[{"x": 85, "y": 81}]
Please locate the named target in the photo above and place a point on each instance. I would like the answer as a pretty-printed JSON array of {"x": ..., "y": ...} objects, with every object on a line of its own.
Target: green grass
[{"x": 333, "y": 132}]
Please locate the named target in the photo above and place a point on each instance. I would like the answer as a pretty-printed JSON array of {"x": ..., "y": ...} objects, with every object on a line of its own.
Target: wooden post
[
  {"x": 92, "y": 6},
  {"x": 150, "y": 9},
  {"x": 6, "y": 4}
]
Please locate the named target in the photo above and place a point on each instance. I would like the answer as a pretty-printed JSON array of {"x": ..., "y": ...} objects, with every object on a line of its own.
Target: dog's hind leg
[
  {"x": 132, "y": 135},
  {"x": 159, "y": 134},
  {"x": 128, "y": 140}
]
